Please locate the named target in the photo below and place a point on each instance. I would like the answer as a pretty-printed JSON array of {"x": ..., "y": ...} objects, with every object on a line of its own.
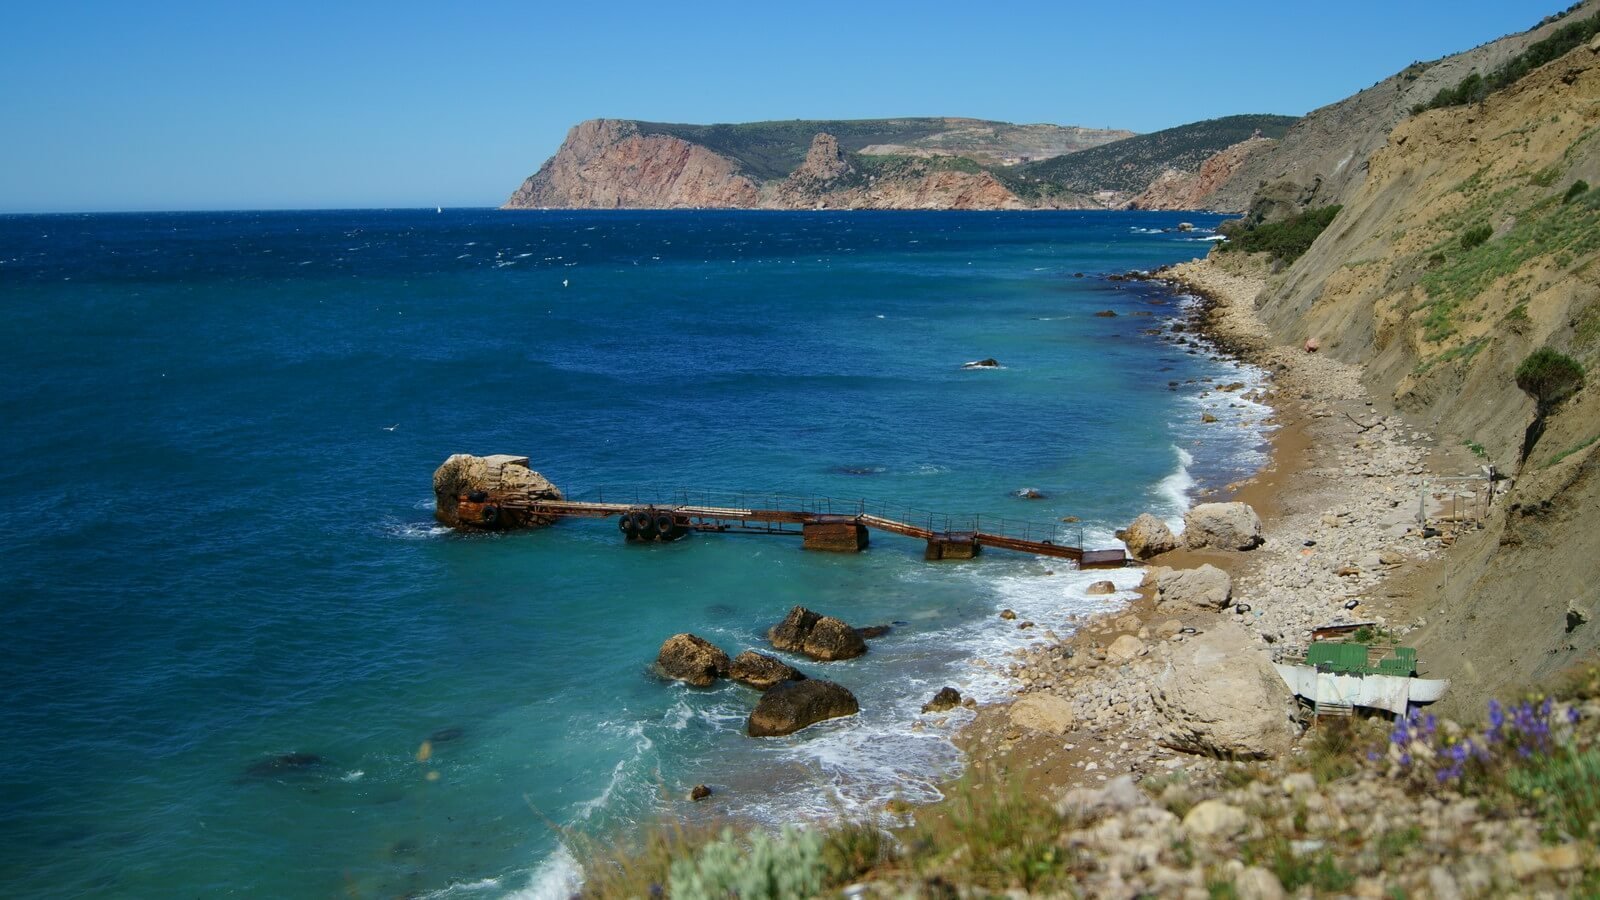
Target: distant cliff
[{"x": 869, "y": 164}]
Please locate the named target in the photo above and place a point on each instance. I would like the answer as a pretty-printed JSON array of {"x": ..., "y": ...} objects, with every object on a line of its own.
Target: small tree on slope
[{"x": 1549, "y": 377}]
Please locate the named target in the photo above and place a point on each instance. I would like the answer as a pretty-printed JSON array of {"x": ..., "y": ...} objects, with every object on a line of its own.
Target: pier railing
[{"x": 881, "y": 514}]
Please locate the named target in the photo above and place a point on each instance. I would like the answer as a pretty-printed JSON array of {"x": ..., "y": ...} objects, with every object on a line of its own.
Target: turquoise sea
[{"x": 232, "y": 624}]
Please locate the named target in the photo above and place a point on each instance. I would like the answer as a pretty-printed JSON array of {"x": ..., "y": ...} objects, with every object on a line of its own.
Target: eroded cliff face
[
  {"x": 828, "y": 180},
  {"x": 608, "y": 164},
  {"x": 1324, "y": 156},
  {"x": 1441, "y": 322},
  {"x": 1194, "y": 190}
]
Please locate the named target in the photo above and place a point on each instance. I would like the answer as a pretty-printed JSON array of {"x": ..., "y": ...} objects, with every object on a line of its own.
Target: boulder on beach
[
  {"x": 690, "y": 658},
  {"x": 1148, "y": 536},
  {"x": 491, "y": 476},
  {"x": 947, "y": 698},
  {"x": 793, "y": 705},
  {"x": 820, "y": 637},
  {"x": 1042, "y": 712},
  {"x": 761, "y": 671},
  {"x": 1220, "y": 696},
  {"x": 1206, "y": 588},
  {"x": 1224, "y": 526}
]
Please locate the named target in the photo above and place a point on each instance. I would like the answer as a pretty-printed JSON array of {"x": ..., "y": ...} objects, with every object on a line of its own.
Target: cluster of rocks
[
  {"x": 1222, "y": 526},
  {"x": 790, "y": 701}
]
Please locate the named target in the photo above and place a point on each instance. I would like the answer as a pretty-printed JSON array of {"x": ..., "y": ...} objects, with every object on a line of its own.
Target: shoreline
[{"x": 1316, "y": 526}]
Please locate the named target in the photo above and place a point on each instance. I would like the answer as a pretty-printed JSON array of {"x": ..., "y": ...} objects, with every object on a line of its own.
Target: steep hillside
[
  {"x": 1474, "y": 239},
  {"x": 1177, "y": 189},
  {"x": 1324, "y": 156},
  {"x": 1129, "y": 166}
]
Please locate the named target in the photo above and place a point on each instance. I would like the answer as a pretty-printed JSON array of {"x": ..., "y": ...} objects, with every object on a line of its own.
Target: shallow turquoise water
[{"x": 216, "y": 553}]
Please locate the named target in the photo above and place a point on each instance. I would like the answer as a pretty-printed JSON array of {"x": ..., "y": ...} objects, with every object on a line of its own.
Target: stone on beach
[
  {"x": 1148, "y": 536},
  {"x": 791, "y": 706},
  {"x": 1206, "y": 588},
  {"x": 690, "y": 658},
  {"x": 1124, "y": 648},
  {"x": 1219, "y": 696},
  {"x": 761, "y": 671},
  {"x": 1042, "y": 712},
  {"x": 1224, "y": 526},
  {"x": 946, "y": 698}
]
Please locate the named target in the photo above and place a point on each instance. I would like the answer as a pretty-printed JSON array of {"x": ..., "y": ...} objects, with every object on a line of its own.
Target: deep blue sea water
[{"x": 219, "y": 433}]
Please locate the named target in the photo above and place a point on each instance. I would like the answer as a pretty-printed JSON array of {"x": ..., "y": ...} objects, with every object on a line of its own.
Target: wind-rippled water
[{"x": 218, "y": 550}]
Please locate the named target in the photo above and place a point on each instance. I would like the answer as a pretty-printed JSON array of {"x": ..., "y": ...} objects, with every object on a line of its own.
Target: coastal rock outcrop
[
  {"x": 1205, "y": 588},
  {"x": 1148, "y": 536},
  {"x": 761, "y": 671},
  {"x": 820, "y": 637},
  {"x": 690, "y": 658},
  {"x": 1224, "y": 526},
  {"x": 1176, "y": 189},
  {"x": 1219, "y": 696},
  {"x": 791, "y": 706},
  {"x": 483, "y": 480},
  {"x": 612, "y": 164},
  {"x": 946, "y": 698}
]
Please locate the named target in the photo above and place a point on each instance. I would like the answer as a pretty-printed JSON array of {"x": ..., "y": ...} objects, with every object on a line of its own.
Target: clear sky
[{"x": 231, "y": 105}]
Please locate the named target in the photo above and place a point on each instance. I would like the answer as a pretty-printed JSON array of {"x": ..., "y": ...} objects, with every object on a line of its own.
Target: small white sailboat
[{"x": 438, "y": 209}]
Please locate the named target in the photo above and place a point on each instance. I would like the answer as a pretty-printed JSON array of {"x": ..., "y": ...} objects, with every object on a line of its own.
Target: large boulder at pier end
[
  {"x": 1147, "y": 537},
  {"x": 485, "y": 481},
  {"x": 793, "y": 705},
  {"x": 1225, "y": 526},
  {"x": 688, "y": 657}
]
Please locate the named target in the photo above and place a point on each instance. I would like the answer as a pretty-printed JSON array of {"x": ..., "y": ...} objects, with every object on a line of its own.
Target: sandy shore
[{"x": 1338, "y": 502}]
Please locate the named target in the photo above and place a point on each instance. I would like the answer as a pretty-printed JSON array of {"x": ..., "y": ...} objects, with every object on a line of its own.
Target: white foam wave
[
  {"x": 557, "y": 878},
  {"x": 415, "y": 531},
  {"x": 1174, "y": 489},
  {"x": 465, "y": 888}
]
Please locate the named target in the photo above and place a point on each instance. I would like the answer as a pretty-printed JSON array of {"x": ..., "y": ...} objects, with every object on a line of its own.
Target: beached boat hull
[{"x": 1387, "y": 692}]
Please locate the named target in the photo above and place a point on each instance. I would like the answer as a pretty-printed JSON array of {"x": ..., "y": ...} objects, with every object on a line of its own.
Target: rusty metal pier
[{"x": 822, "y": 523}]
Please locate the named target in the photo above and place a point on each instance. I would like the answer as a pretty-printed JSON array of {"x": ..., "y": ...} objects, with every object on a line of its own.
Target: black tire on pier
[
  {"x": 490, "y": 515},
  {"x": 644, "y": 524},
  {"x": 666, "y": 526},
  {"x": 626, "y": 526}
]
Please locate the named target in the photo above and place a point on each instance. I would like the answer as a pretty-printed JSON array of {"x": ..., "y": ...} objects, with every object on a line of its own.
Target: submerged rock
[
  {"x": 760, "y": 671},
  {"x": 285, "y": 764},
  {"x": 791, "y": 706},
  {"x": 990, "y": 363},
  {"x": 687, "y": 657}
]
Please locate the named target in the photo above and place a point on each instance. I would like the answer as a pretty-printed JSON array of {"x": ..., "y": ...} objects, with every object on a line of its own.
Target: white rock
[
  {"x": 1226, "y": 526},
  {"x": 1213, "y": 818}
]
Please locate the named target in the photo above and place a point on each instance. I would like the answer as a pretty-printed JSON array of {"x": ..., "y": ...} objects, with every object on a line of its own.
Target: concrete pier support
[
  {"x": 835, "y": 535},
  {"x": 952, "y": 546}
]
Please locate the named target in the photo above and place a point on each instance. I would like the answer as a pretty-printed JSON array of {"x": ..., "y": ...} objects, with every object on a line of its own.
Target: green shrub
[
  {"x": 1476, "y": 236},
  {"x": 1549, "y": 376},
  {"x": 787, "y": 867},
  {"x": 996, "y": 836},
  {"x": 1475, "y": 87},
  {"x": 1578, "y": 189},
  {"x": 1564, "y": 786},
  {"x": 1287, "y": 240}
]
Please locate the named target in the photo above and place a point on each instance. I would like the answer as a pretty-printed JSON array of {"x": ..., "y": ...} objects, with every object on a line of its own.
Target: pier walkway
[{"x": 823, "y": 523}]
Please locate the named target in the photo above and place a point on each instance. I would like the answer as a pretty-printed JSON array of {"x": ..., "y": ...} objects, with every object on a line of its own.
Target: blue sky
[{"x": 176, "y": 105}]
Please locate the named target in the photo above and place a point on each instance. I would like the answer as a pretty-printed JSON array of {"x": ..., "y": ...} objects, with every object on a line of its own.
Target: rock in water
[
  {"x": 817, "y": 636},
  {"x": 1101, "y": 588},
  {"x": 947, "y": 698},
  {"x": 686, "y": 657},
  {"x": 760, "y": 671},
  {"x": 990, "y": 363},
  {"x": 790, "y": 634},
  {"x": 285, "y": 764},
  {"x": 492, "y": 476},
  {"x": 831, "y": 639},
  {"x": 1205, "y": 588},
  {"x": 791, "y": 706},
  {"x": 699, "y": 792},
  {"x": 872, "y": 632},
  {"x": 1221, "y": 697},
  {"x": 1148, "y": 536},
  {"x": 1226, "y": 526}
]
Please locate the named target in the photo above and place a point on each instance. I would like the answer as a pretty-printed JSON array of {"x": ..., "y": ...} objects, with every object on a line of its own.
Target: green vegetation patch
[
  {"x": 1475, "y": 87},
  {"x": 1287, "y": 240},
  {"x": 1550, "y": 227}
]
